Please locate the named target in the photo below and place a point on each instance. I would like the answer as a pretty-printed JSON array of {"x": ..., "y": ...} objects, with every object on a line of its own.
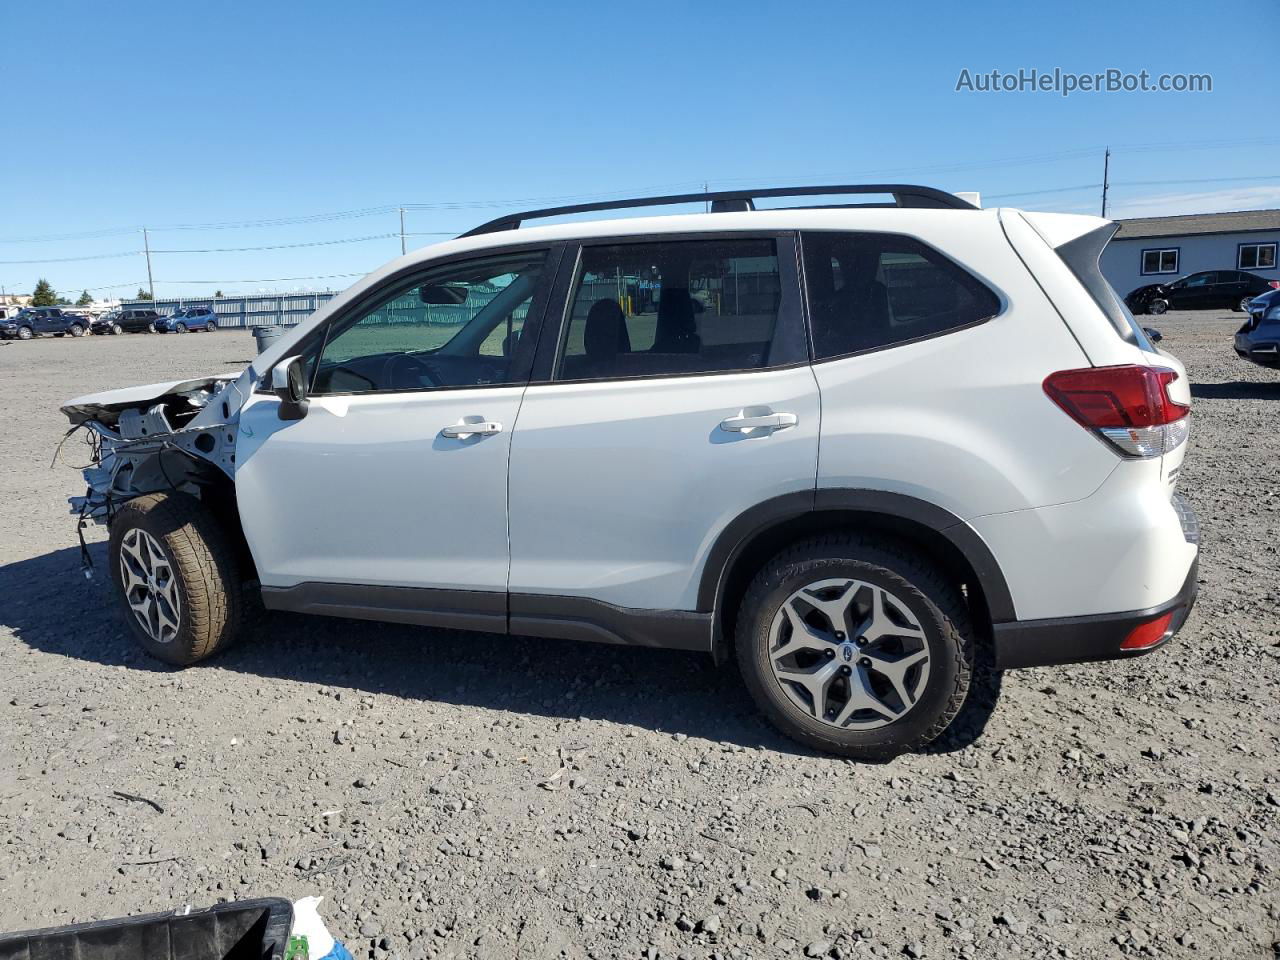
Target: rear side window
[
  {"x": 873, "y": 290},
  {"x": 682, "y": 307}
]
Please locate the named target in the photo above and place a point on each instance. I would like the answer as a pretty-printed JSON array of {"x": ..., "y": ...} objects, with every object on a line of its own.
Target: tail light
[
  {"x": 1127, "y": 406},
  {"x": 1274, "y": 284}
]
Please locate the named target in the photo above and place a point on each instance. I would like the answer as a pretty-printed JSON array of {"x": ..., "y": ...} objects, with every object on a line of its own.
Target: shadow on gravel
[
  {"x": 50, "y": 606},
  {"x": 1236, "y": 390}
]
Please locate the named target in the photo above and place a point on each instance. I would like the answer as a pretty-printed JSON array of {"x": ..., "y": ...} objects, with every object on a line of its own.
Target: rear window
[{"x": 873, "y": 290}]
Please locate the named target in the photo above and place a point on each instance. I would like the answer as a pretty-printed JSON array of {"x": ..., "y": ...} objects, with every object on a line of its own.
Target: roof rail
[{"x": 724, "y": 201}]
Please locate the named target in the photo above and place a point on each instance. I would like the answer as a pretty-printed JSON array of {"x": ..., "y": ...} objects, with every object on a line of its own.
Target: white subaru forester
[{"x": 860, "y": 448}]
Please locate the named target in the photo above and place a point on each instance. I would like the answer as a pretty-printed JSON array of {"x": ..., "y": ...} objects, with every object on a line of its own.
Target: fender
[{"x": 744, "y": 528}]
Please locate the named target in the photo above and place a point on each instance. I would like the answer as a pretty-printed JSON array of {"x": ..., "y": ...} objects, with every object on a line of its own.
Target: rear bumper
[{"x": 1038, "y": 643}]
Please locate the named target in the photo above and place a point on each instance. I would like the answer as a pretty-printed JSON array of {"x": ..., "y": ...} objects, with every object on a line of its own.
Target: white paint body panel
[
  {"x": 364, "y": 489},
  {"x": 619, "y": 489},
  {"x": 1120, "y": 549}
]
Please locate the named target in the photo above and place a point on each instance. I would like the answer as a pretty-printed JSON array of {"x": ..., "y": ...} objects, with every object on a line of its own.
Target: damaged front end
[{"x": 168, "y": 436}]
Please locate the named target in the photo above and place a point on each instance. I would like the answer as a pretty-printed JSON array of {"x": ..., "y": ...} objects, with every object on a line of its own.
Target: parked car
[
  {"x": 1209, "y": 289},
  {"x": 33, "y": 321},
  {"x": 107, "y": 324},
  {"x": 138, "y": 320},
  {"x": 1259, "y": 339},
  {"x": 863, "y": 480},
  {"x": 188, "y": 319}
]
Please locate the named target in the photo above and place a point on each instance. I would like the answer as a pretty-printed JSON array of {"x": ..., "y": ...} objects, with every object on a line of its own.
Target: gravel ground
[{"x": 465, "y": 795}]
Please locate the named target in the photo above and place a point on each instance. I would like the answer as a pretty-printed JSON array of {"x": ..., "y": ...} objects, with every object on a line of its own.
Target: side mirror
[
  {"x": 289, "y": 383},
  {"x": 1154, "y": 335}
]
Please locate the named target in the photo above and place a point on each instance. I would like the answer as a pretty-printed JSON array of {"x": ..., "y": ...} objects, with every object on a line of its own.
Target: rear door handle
[
  {"x": 770, "y": 421},
  {"x": 468, "y": 427}
]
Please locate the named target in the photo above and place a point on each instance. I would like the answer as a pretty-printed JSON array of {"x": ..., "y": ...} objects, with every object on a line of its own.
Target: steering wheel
[{"x": 408, "y": 366}]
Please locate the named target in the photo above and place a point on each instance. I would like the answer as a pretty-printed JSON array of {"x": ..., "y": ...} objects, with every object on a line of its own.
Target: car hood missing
[{"x": 106, "y": 406}]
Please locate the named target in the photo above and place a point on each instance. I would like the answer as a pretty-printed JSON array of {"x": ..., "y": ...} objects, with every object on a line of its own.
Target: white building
[{"x": 1159, "y": 249}]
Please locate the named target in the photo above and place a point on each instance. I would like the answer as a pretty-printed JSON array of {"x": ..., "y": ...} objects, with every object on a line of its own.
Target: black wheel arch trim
[{"x": 741, "y": 531}]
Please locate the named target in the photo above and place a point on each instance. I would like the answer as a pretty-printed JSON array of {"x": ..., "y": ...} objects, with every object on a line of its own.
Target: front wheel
[
  {"x": 116, "y": 330},
  {"x": 855, "y": 647},
  {"x": 151, "y": 328},
  {"x": 24, "y": 333},
  {"x": 177, "y": 577},
  {"x": 180, "y": 328},
  {"x": 1157, "y": 307}
]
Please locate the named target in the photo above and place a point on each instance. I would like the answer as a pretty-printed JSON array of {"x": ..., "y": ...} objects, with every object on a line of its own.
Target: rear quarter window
[{"x": 868, "y": 291}]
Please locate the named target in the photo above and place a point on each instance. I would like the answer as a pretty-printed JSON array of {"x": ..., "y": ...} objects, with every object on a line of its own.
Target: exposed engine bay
[{"x": 166, "y": 436}]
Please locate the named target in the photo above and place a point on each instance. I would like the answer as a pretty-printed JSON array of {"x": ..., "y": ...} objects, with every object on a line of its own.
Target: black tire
[
  {"x": 1157, "y": 307},
  {"x": 180, "y": 328},
  {"x": 932, "y": 599},
  {"x": 151, "y": 328},
  {"x": 25, "y": 333},
  {"x": 204, "y": 566},
  {"x": 1242, "y": 306},
  {"x": 210, "y": 327},
  {"x": 76, "y": 330},
  {"x": 116, "y": 329}
]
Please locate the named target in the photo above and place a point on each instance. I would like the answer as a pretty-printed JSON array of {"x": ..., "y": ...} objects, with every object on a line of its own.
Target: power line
[
  {"x": 284, "y": 246},
  {"x": 97, "y": 256}
]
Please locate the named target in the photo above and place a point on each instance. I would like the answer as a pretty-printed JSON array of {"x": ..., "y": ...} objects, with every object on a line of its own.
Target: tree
[
  {"x": 142, "y": 294},
  {"x": 43, "y": 295},
  {"x": 62, "y": 302},
  {"x": 84, "y": 299}
]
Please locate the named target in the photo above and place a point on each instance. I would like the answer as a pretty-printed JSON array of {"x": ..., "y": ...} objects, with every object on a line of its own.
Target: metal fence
[{"x": 252, "y": 311}]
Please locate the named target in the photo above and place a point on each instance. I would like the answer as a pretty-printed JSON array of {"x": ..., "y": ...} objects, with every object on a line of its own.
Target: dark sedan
[
  {"x": 1259, "y": 339},
  {"x": 1207, "y": 290}
]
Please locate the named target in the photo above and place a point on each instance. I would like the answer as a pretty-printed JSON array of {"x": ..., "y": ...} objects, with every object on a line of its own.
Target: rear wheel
[
  {"x": 1243, "y": 305},
  {"x": 1157, "y": 307},
  {"x": 76, "y": 330},
  {"x": 211, "y": 326},
  {"x": 856, "y": 647},
  {"x": 177, "y": 577}
]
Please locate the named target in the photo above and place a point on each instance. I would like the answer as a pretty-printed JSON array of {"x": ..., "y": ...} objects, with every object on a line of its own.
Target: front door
[
  {"x": 396, "y": 476},
  {"x": 680, "y": 397}
]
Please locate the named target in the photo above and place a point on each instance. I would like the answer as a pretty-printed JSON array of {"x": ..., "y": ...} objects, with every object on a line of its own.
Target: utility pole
[
  {"x": 146, "y": 245},
  {"x": 402, "y": 250},
  {"x": 1106, "y": 169}
]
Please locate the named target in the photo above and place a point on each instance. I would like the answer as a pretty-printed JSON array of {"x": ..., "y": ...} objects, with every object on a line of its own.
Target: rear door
[{"x": 678, "y": 396}]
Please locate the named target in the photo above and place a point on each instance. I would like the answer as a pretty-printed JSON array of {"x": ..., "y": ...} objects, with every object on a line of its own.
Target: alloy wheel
[
  {"x": 150, "y": 587},
  {"x": 849, "y": 654},
  {"x": 1157, "y": 307}
]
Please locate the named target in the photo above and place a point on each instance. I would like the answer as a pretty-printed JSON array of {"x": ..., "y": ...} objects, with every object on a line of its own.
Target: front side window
[
  {"x": 456, "y": 326},
  {"x": 872, "y": 290},
  {"x": 1159, "y": 261},
  {"x": 681, "y": 307},
  {"x": 1257, "y": 256}
]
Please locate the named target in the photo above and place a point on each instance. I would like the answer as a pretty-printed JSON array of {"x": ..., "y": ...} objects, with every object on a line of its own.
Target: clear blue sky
[{"x": 118, "y": 116}]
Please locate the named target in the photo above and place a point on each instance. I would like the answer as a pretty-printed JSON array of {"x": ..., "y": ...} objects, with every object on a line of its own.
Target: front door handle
[
  {"x": 767, "y": 421},
  {"x": 472, "y": 427}
]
